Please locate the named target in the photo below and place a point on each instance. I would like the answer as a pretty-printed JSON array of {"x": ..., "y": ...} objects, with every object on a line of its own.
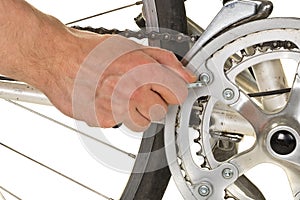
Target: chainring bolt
[
  {"x": 204, "y": 190},
  {"x": 227, "y": 173},
  {"x": 204, "y": 78},
  {"x": 228, "y": 94}
]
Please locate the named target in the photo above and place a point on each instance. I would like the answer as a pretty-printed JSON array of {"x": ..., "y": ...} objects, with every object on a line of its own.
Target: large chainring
[{"x": 245, "y": 111}]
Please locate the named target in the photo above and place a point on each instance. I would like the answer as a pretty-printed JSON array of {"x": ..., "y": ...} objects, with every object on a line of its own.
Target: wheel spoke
[
  {"x": 1, "y": 196},
  {"x": 103, "y": 13},
  {"x": 74, "y": 130},
  {"x": 55, "y": 171},
  {"x": 9, "y": 192}
]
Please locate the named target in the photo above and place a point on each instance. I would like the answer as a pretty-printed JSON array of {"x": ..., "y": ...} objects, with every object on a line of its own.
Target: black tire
[{"x": 151, "y": 185}]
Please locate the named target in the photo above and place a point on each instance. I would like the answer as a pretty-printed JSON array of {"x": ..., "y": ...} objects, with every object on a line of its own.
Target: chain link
[{"x": 152, "y": 35}]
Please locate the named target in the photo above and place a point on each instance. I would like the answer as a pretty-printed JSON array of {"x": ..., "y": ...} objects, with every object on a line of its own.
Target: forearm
[
  {"x": 34, "y": 44},
  {"x": 20, "y": 36}
]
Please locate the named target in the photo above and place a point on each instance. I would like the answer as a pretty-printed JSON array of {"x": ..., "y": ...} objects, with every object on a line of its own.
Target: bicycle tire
[{"x": 151, "y": 185}]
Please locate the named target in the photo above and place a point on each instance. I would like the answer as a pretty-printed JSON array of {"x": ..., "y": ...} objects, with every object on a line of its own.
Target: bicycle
[{"x": 234, "y": 49}]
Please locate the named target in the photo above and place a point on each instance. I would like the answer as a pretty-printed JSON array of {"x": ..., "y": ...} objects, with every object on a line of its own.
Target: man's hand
[
  {"x": 120, "y": 81},
  {"x": 128, "y": 83},
  {"x": 102, "y": 80}
]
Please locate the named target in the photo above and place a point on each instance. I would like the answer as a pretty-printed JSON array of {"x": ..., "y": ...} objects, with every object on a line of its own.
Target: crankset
[{"x": 244, "y": 111}]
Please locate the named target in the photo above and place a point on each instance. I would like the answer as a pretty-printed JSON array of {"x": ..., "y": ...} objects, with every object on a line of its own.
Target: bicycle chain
[{"x": 142, "y": 34}]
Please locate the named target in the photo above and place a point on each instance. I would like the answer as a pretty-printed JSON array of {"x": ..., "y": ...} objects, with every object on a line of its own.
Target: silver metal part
[
  {"x": 232, "y": 13},
  {"x": 22, "y": 92},
  {"x": 151, "y": 19},
  {"x": 247, "y": 82},
  {"x": 205, "y": 78},
  {"x": 194, "y": 28},
  {"x": 276, "y": 80},
  {"x": 150, "y": 15},
  {"x": 261, "y": 124},
  {"x": 227, "y": 173},
  {"x": 226, "y": 120},
  {"x": 195, "y": 175},
  {"x": 204, "y": 189},
  {"x": 228, "y": 94},
  {"x": 195, "y": 85}
]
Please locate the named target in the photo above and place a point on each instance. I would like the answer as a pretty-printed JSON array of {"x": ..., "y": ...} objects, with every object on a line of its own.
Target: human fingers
[
  {"x": 114, "y": 111},
  {"x": 114, "y": 107},
  {"x": 169, "y": 60},
  {"x": 149, "y": 104},
  {"x": 171, "y": 97},
  {"x": 127, "y": 62},
  {"x": 135, "y": 121}
]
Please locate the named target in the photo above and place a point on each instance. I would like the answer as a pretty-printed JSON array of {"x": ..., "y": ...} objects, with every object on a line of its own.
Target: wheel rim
[{"x": 145, "y": 185}]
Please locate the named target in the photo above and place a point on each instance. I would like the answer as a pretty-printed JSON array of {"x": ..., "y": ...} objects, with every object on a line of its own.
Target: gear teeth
[
  {"x": 199, "y": 153},
  {"x": 250, "y": 51},
  {"x": 204, "y": 165},
  {"x": 228, "y": 64},
  {"x": 197, "y": 140},
  {"x": 187, "y": 178}
]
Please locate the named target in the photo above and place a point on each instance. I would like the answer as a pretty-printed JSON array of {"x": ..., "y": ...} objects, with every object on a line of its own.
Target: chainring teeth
[
  {"x": 257, "y": 49},
  {"x": 207, "y": 142}
]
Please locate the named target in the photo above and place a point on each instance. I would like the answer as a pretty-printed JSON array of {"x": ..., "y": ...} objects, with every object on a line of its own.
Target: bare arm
[
  {"x": 110, "y": 74},
  {"x": 32, "y": 43}
]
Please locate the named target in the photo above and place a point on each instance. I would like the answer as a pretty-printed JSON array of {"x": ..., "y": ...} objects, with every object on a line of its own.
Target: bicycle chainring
[
  {"x": 236, "y": 111},
  {"x": 244, "y": 112}
]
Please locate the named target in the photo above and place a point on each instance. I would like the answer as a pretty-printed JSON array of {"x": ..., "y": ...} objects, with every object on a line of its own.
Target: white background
[{"x": 62, "y": 149}]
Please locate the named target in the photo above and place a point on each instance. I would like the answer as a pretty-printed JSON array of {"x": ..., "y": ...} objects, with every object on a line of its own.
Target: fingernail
[{"x": 192, "y": 75}]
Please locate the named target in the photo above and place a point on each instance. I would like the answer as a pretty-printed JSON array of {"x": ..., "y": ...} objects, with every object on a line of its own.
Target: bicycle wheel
[
  {"x": 149, "y": 184},
  {"x": 152, "y": 184}
]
